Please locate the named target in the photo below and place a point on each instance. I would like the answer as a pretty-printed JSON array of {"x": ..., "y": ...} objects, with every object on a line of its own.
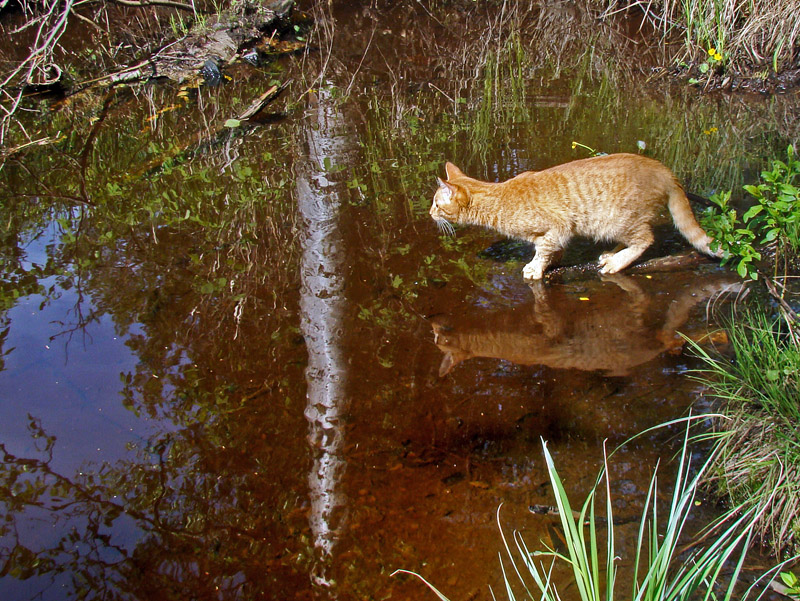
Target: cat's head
[{"x": 450, "y": 200}]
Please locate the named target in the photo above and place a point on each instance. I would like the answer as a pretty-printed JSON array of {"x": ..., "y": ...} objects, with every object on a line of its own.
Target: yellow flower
[
  {"x": 574, "y": 145},
  {"x": 712, "y": 51}
]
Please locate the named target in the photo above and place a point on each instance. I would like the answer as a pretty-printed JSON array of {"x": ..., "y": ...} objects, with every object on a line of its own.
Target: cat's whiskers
[{"x": 445, "y": 226}]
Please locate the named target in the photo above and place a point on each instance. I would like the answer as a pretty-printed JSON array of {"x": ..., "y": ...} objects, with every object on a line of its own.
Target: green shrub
[{"x": 773, "y": 219}]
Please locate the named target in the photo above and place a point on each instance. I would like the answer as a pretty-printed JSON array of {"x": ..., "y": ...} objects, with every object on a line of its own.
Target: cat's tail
[{"x": 687, "y": 225}]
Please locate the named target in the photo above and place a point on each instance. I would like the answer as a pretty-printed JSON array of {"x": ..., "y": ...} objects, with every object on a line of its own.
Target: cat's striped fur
[{"x": 607, "y": 198}]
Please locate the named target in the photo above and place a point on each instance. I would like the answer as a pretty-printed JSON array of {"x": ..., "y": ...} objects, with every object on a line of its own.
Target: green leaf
[
  {"x": 232, "y": 123},
  {"x": 752, "y": 212},
  {"x": 741, "y": 269}
]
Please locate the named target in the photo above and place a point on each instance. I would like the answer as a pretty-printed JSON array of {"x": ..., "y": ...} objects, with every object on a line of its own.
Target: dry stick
[
  {"x": 52, "y": 38},
  {"x": 4, "y": 154},
  {"x": 363, "y": 56},
  {"x": 263, "y": 100},
  {"x": 89, "y": 21},
  {"x": 133, "y": 68},
  {"x": 146, "y": 3},
  {"x": 789, "y": 313},
  {"x": 773, "y": 290}
]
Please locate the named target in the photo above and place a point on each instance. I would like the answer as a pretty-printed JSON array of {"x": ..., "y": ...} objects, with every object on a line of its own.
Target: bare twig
[
  {"x": 146, "y": 3},
  {"x": 262, "y": 101},
  {"x": 4, "y": 154}
]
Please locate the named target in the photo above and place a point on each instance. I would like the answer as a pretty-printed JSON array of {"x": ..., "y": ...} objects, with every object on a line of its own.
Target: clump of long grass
[
  {"x": 755, "y": 459},
  {"x": 752, "y": 35},
  {"x": 660, "y": 571}
]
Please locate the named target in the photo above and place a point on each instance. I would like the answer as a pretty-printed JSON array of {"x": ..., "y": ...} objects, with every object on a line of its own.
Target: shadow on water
[{"x": 242, "y": 364}]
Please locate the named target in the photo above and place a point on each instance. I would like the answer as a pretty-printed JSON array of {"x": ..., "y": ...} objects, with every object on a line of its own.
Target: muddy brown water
[{"x": 245, "y": 365}]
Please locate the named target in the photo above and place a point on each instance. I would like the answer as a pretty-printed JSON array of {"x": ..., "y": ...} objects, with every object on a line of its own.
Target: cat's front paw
[{"x": 532, "y": 272}]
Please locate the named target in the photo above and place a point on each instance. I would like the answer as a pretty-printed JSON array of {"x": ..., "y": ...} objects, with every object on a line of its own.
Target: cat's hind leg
[{"x": 625, "y": 256}]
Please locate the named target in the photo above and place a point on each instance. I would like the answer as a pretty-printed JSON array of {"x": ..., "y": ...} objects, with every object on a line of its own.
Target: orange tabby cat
[{"x": 614, "y": 197}]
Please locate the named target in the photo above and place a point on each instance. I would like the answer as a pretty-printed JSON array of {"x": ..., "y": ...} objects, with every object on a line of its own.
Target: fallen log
[{"x": 677, "y": 262}]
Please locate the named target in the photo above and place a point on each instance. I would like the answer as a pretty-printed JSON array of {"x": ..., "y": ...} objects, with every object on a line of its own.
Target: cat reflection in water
[
  {"x": 615, "y": 197},
  {"x": 607, "y": 331}
]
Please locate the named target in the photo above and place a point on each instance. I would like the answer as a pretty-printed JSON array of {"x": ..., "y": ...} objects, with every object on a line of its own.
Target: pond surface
[{"x": 242, "y": 363}]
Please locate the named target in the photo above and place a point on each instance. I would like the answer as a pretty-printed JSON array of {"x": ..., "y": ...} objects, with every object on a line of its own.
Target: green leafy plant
[
  {"x": 792, "y": 584},
  {"x": 731, "y": 235},
  {"x": 774, "y": 218}
]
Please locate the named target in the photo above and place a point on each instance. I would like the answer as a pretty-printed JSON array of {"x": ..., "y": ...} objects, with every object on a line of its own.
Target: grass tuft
[
  {"x": 755, "y": 459},
  {"x": 746, "y": 36},
  {"x": 660, "y": 571}
]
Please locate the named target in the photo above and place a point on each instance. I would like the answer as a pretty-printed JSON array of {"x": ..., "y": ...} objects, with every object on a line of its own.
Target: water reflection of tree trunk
[{"x": 322, "y": 306}]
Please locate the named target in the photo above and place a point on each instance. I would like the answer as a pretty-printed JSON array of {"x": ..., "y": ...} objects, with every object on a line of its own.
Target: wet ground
[{"x": 242, "y": 363}]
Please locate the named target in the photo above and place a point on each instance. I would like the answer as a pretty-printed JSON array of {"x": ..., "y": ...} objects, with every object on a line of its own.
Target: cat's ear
[
  {"x": 446, "y": 191},
  {"x": 452, "y": 170}
]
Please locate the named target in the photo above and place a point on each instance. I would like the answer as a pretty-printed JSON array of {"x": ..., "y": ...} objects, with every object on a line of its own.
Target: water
[{"x": 244, "y": 364}]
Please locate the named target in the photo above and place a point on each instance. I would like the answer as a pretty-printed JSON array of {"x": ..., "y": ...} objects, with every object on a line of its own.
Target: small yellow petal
[{"x": 584, "y": 298}]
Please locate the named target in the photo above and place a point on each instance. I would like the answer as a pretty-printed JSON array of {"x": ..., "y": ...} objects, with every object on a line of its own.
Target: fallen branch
[
  {"x": 147, "y": 3},
  {"x": 9, "y": 152},
  {"x": 263, "y": 100},
  {"x": 792, "y": 319},
  {"x": 659, "y": 264}
]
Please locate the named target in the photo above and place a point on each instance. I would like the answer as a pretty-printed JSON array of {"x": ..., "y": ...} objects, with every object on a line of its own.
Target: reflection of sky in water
[{"x": 70, "y": 380}]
